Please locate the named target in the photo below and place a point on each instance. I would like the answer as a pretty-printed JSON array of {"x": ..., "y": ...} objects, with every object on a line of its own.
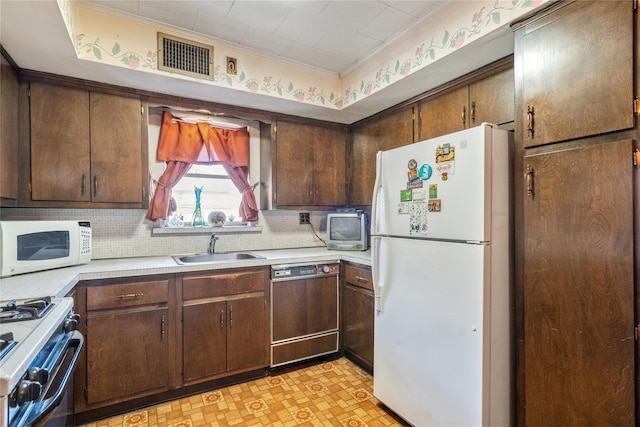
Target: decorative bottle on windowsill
[{"x": 197, "y": 220}]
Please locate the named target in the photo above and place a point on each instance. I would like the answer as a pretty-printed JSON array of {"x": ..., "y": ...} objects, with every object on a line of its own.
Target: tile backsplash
[{"x": 124, "y": 233}]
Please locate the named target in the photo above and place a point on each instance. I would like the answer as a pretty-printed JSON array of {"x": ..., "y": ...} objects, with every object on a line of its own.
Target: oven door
[{"x": 55, "y": 405}]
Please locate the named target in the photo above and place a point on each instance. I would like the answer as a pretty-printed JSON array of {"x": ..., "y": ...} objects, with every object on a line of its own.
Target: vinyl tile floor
[{"x": 329, "y": 393}]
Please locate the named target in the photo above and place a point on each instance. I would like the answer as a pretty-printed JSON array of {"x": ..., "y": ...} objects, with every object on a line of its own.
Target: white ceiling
[
  {"x": 331, "y": 36},
  {"x": 328, "y": 35}
]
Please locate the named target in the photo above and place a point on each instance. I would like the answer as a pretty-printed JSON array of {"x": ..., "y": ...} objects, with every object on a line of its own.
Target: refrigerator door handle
[
  {"x": 375, "y": 273},
  {"x": 375, "y": 224}
]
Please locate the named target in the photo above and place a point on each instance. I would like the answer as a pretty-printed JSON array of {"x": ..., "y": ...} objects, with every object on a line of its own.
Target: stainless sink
[{"x": 209, "y": 258}]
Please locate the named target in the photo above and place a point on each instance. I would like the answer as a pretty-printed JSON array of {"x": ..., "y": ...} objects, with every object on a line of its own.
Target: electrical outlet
[{"x": 304, "y": 218}]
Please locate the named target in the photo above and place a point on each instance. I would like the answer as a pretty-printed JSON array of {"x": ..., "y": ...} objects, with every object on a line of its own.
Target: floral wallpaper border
[{"x": 482, "y": 21}]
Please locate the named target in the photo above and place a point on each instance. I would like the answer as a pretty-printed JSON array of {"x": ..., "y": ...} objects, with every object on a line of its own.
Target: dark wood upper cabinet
[
  {"x": 381, "y": 134},
  {"x": 310, "y": 166},
  {"x": 577, "y": 72},
  {"x": 491, "y": 99},
  {"x": 488, "y": 98},
  {"x": 8, "y": 131},
  {"x": 60, "y": 150},
  {"x": 87, "y": 148},
  {"x": 444, "y": 113}
]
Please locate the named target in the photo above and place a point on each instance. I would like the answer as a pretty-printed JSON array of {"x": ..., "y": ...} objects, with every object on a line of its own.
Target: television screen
[{"x": 345, "y": 229}]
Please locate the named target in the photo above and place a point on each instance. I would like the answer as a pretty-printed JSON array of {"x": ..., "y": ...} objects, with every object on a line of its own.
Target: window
[{"x": 218, "y": 193}]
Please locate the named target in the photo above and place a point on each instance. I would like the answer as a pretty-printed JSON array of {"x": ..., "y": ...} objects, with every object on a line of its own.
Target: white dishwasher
[{"x": 304, "y": 311}]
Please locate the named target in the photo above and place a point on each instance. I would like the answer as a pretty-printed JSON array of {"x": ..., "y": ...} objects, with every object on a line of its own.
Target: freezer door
[
  {"x": 429, "y": 332},
  {"x": 461, "y": 190}
]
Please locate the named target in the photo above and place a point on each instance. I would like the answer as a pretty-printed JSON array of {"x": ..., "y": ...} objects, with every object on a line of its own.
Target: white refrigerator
[{"x": 441, "y": 251}]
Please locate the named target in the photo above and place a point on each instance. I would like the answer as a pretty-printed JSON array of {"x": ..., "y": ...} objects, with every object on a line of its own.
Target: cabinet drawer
[
  {"x": 218, "y": 285},
  {"x": 359, "y": 276},
  {"x": 127, "y": 294}
]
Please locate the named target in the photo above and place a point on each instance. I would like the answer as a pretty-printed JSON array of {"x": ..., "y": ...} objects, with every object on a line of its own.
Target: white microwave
[{"x": 28, "y": 246}]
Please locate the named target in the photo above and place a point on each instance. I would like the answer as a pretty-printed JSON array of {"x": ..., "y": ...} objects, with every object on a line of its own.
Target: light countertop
[{"x": 59, "y": 282}]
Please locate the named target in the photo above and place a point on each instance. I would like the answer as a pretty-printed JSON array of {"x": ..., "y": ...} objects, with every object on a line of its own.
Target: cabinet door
[
  {"x": 303, "y": 307},
  {"x": 444, "y": 113},
  {"x": 8, "y": 131},
  {"x": 127, "y": 354},
  {"x": 358, "y": 322},
  {"x": 579, "y": 288},
  {"x": 491, "y": 99},
  {"x": 247, "y": 337},
  {"x": 60, "y": 153},
  {"x": 204, "y": 331},
  {"x": 577, "y": 72},
  {"x": 330, "y": 167},
  {"x": 389, "y": 132},
  {"x": 294, "y": 164},
  {"x": 116, "y": 149}
]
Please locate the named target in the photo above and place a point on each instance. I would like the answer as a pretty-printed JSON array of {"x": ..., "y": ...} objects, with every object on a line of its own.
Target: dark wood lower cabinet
[
  {"x": 129, "y": 333},
  {"x": 358, "y": 315},
  {"x": 578, "y": 291},
  {"x": 358, "y": 324},
  {"x": 127, "y": 354},
  {"x": 224, "y": 323},
  {"x": 223, "y": 336},
  {"x": 205, "y": 336},
  {"x": 155, "y": 338}
]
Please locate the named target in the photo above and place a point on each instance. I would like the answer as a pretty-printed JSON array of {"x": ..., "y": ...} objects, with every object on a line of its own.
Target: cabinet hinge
[
  {"x": 142, "y": 110},
  {"x": 635, "y": 332},
  {"x": 635, "y": 5},
  {"x": 29, "y": 187},
  {"x": 636, "y": 106},
  {"x": 636, "y": 157}
]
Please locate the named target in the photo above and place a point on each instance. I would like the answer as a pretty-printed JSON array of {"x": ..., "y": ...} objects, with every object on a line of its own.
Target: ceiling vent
[{"x": 186, "y": 57}]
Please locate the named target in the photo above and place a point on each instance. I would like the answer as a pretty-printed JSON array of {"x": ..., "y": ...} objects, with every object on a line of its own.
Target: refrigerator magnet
[
  {"x": 434, "y": 205},
  {"x": 403, "y": 208},
  {"x": 412, "y": 175},
  {"x": 412, "y": 164},
  {"x": 415, "y": 184},
  {"x": 406, "y": 195},
  {"x": 445, "y": 153},
  {"x": 425, "y": 172},
  {"x": 418, "y": 217},
  {"x": 433, "y": 191},
  {"x": 419, "y": 194}
]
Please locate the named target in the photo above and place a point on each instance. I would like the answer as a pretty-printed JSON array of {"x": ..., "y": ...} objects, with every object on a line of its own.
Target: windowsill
[{"x": 206, "y": 230}]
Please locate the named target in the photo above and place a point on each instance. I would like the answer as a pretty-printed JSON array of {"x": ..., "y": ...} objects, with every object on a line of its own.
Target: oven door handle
[{"x": 43, "y": 408}]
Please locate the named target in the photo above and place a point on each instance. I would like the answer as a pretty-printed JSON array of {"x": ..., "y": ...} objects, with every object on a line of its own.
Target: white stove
[{"x": 36, "y": 348}]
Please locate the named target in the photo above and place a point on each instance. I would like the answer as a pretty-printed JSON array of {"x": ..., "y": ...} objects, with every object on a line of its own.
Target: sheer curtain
[{"x": 182, "y": 144}]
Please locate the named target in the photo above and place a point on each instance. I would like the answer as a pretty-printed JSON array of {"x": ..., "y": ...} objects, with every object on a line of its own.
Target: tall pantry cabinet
[{"x": 575, "y": 192}]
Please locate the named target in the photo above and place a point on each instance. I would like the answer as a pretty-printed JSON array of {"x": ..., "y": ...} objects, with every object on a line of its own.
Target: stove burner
[
  {"x": 6, "y": 344},
  {"x": 28, "y": 310}
]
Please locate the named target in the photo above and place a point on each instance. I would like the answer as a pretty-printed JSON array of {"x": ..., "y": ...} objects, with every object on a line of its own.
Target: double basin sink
[{"x": 211, "y": 258}]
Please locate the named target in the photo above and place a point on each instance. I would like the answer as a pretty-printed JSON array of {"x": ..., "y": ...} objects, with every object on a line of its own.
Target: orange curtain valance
[{"x": 182, "y": 143}]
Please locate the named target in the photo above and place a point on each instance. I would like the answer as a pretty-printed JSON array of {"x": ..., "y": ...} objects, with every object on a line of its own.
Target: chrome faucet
[{"x": 212, "y": 244}]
